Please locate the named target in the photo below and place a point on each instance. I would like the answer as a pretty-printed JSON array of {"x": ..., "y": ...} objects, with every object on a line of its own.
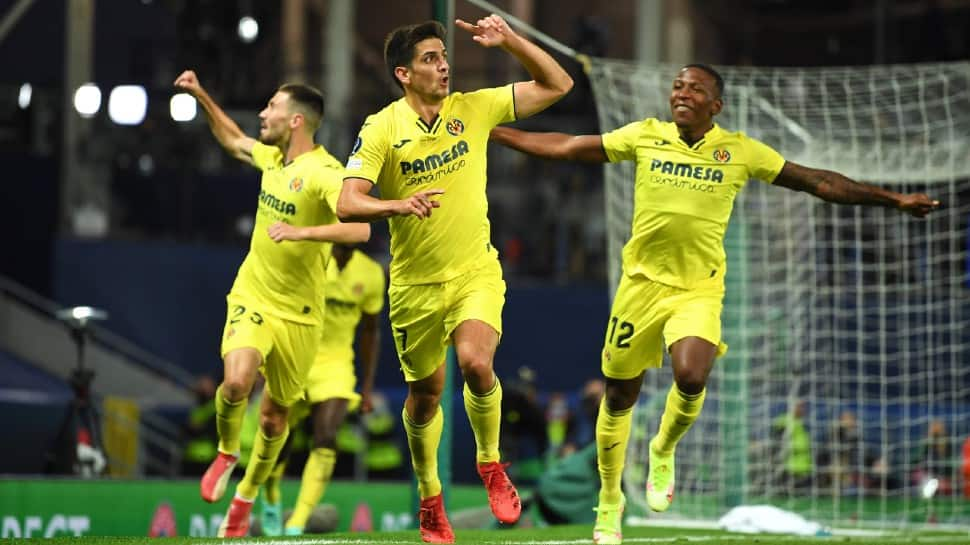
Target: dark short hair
[
  {"x": 309, "y": 100},
  {"x": 718, "y": 80},
  {"x": 399, "y": 44}
]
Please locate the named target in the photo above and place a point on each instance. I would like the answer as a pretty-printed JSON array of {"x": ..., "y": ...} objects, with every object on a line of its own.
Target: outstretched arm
[
  {"x": 834, "y": 187},
  {"x": 356, "y": 204},
  {"x": 550, "y": 82},
  {"x": 343, "y": 233},
  {"x": 226, "y": 131},
  {"x": 552, "y": 145},
  {"x": 369, "y": 345}
]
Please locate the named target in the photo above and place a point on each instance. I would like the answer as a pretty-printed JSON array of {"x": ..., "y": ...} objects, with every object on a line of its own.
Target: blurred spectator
[
  {"x": 385, "y": 455},
  {"x": 794, "y": 447},
  {"x": 934, "y": 458},
  {"x": 582, "y": 422},
  {"x": 558, "y": 417},
  {"x": 376, "y": 432},
  {"x": 568, "y": 490},
  {"x": 524, "y": 437},
  {"x": 849, "y": 466},
  {"x": 199, "y": 435},
  {"x": 881, "y": 475},
  {"x": 839, "y": 460}
]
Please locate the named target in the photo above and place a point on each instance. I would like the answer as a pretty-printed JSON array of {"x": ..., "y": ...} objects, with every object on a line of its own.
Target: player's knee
[
  {"x": 273, "y": 423},
  {"x": 236, "y": 389},
  {"x": 426, "y": 401},
  {"x": 476, "y": 366},
  {"x": 691, "y": 381},
  {"x": 618, "y": 399},
  {"x": 423, "y": 406}
]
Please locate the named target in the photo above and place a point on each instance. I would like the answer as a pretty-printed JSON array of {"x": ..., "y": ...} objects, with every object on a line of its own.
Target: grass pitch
[{"x": 557, "y": 535}]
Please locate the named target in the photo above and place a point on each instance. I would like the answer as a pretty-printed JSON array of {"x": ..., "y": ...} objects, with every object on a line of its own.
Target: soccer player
[
  {"x": 355, "y": 296},
  {"x": 689, "y": 172},
  {"x": 275, "y": 306},
  {"x": 425, "y": 151}
]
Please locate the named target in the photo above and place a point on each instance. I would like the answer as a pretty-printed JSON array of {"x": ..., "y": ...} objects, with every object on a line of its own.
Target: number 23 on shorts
[{"x": 238, "y": 314}]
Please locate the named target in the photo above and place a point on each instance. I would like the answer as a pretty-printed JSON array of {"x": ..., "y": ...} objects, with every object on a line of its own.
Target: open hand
[
  {"x": 490, "y": 31},
  {"x": 917, "y": 204}
]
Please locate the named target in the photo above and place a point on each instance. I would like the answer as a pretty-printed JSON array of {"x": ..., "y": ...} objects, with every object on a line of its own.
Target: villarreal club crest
[{"x": 455, "y": 126}]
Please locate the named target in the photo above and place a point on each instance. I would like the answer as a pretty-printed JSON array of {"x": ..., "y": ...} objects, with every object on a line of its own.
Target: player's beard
[
  {"x": 273, "y": 139},
  {"x": 441, "y": 93}
]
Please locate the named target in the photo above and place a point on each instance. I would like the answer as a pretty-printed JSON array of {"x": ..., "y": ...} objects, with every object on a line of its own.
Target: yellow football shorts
[
  {"x": 423, "y": 316},
  {"x": 648, "y": 317},
  {"x": 288, "y": 348},
  {"x": 328, "y": 379}
]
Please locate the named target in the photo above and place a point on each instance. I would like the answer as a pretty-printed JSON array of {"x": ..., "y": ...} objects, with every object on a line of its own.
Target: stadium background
[{"x": 150, "y": 221}]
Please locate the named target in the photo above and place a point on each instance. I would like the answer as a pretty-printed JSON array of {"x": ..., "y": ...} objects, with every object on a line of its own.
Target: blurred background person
[
  {"x": 524, "y": 437},
  {"x": 354, "y": 288},
  {"x": 199, "y": 435},
  {"x": 934, "y": 458},
  {"x": 794, "y": 446}
]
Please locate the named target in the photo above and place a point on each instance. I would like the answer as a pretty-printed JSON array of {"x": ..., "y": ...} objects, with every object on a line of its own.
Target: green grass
[{"x": 557, "y": 535}]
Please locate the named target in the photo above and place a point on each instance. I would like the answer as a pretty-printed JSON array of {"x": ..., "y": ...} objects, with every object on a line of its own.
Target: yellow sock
[
  {"x": 679, "y": 414},
  {"x": 229, "y": 417},
  {"x": 612, "y": 436},
  {"x": 272, "y": 484},
  {"x": 316, "y": 476},
  {"x": 261, "y": 462},
  {"x": 485, "y": 415},
  {"x": 423, "y": 441}
]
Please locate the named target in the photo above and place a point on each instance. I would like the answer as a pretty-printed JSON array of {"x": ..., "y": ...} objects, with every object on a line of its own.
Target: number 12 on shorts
[{"x": 626, "y": 331}]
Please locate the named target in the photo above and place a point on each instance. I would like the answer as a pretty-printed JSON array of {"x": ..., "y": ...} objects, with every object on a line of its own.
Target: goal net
[{"x": 852, "y": 320}]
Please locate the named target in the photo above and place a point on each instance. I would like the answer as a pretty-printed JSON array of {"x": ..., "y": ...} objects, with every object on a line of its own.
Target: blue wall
[
  {"x": 170, "y": 299},
  {"x": 167, "y": 298}
]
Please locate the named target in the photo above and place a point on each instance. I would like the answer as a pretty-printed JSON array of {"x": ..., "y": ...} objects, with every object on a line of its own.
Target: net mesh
[{"x": 854, "y": 321}]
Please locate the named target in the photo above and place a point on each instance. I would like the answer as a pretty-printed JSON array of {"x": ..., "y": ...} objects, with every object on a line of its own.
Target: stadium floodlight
[
  {"x": 127, "y": 104},
  {"x": 80, "y": 316},
  {"x": 248, "y": 29},
  {"x": 146, "y": 164},
  {"x": 87, "y": 100},
  {"x": 24, "y": 96},
  {"x": 183, "y": 107}
]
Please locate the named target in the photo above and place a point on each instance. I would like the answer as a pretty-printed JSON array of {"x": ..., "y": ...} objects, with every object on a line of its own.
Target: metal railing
[
  {"x": 101, "y": 336},
  {"x": 159, "y": 441}
]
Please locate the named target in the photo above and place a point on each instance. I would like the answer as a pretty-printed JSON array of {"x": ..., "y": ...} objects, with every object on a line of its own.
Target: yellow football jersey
[
  {"x": 403, "y": 155},
  {"x": 357, "y": 289},
  {"x": 285, "y": 277},
  {"x": 684, "y": 196}
]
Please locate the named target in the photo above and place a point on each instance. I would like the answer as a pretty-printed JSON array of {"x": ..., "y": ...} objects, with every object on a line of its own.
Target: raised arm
[
  {"x": 834, "y": 187},
  {"x": 552, "y": 145},
  {"x": 550, "y": 82},
  {"x": 226, "y": 131},
  {"x": 369, "y": 346},
  {"x": 356, "y": 203},
  {"x": 343, "y": 233}
]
